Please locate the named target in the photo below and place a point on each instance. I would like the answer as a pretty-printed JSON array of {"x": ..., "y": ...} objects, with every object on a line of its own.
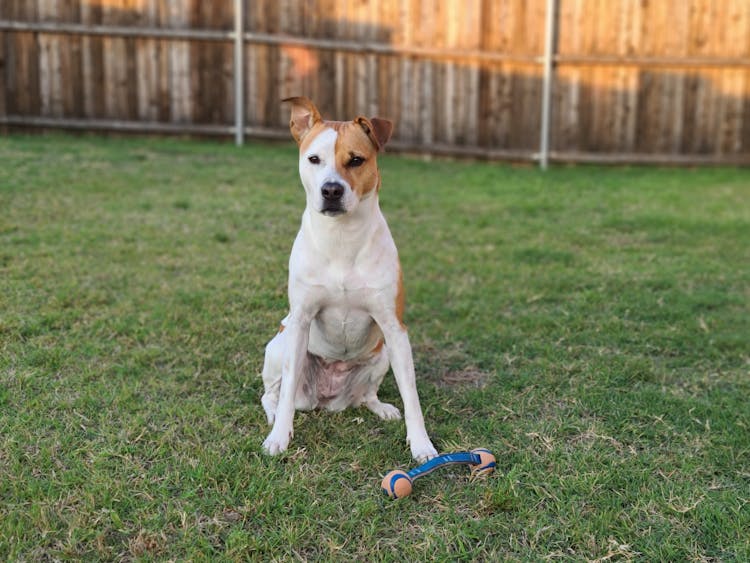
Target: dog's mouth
[{"x": 332, "y": 210}]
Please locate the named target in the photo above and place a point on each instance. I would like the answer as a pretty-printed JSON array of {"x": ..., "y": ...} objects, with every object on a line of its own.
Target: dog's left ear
[
  {"x": 304, "y": 116},
  {"x": 377, "y": 129}
]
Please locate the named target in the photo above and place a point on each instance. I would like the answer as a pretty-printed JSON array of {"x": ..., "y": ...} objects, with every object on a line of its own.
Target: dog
[{"x": 346, "y": 297}]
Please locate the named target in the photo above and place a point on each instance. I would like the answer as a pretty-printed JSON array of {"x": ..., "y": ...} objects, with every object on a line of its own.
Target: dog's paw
[
  {"x": 386, "y": 411},
  {"x": 276, "y": 443},
  {"x": 422, "y": 450}
]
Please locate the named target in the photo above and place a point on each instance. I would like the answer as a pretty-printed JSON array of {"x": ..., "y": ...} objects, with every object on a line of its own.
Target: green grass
[{"x": 589, "y": 325}]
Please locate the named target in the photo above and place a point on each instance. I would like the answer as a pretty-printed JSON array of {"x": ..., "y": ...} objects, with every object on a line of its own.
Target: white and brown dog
[{"x": 346, "y": 298}]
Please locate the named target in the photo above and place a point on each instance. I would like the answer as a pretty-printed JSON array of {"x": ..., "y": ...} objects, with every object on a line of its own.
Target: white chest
[{"x": 342, "y": 273}]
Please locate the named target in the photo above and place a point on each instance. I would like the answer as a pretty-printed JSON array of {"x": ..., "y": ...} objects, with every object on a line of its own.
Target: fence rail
[
  {"x": 621, "y": 81},
  {"x": 366, "y": 47}
]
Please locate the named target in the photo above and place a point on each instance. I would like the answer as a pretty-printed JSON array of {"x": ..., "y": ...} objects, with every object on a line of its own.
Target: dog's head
[{"x": 337, "y": 163}]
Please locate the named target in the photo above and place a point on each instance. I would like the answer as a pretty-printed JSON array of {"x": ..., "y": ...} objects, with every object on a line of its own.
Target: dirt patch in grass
[{"x": 469, "y": 376}]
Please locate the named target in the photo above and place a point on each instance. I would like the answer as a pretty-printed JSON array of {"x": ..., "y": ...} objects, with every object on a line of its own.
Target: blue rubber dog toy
[{"x": 398, "y": 483}]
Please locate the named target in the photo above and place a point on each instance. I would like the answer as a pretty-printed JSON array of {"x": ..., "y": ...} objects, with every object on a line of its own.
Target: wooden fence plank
[
  {"x": 667, "y": 77},
  {"x": 29, "y": 84},
  {"x": 5, "y": 73}
]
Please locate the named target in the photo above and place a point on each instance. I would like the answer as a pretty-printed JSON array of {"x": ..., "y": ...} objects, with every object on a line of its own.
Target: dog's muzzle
[{"x": 333, "y": 196}]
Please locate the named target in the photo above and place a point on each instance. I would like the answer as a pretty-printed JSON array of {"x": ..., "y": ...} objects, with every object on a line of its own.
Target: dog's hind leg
[{"x": 374, "y": 377}]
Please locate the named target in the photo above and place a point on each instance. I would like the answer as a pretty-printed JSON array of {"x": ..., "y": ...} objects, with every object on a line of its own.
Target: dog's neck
[{"x": 344, "y": 237}]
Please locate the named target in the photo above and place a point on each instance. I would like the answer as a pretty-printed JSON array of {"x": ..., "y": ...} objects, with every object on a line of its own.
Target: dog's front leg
[
  {"x": 298, "y": 334},
  {"x": 402, "y": 363}
]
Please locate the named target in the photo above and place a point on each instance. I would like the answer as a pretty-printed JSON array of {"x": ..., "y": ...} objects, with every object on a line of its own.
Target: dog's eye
[
  {"x": 314, "y": 159},
  {"x": 355, "y": 161}
]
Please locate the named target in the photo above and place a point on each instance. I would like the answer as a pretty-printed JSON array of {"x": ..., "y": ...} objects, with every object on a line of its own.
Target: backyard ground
[{"x": 588, "y": 325}]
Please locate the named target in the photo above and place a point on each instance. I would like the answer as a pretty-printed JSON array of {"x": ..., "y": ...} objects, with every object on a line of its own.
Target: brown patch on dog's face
[{"x": 356, "y": 158}]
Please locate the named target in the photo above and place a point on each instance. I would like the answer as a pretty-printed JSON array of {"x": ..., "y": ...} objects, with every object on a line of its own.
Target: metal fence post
[
  {"x": 239, "y": 98},
  {"x": 549, "y": 40}
]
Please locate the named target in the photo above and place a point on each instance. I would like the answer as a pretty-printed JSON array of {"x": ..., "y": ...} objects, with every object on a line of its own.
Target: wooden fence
[{"x": 631, "y": 80}]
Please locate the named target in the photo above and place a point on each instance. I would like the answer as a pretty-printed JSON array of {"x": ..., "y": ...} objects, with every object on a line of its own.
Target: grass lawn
[{"x": 589, "y": 325}]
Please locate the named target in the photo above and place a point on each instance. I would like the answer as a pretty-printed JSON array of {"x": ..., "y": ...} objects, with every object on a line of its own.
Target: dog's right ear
[{"x": 304, "y": 116}]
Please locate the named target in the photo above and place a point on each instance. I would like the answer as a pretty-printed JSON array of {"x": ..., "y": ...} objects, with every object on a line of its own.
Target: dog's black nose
[{"x": 332, "y": 191}]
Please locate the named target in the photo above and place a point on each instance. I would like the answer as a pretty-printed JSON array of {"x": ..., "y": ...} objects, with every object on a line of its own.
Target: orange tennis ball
[
  {"x": 487, "y": 464},
  {"x": 396, "y": 484}
]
